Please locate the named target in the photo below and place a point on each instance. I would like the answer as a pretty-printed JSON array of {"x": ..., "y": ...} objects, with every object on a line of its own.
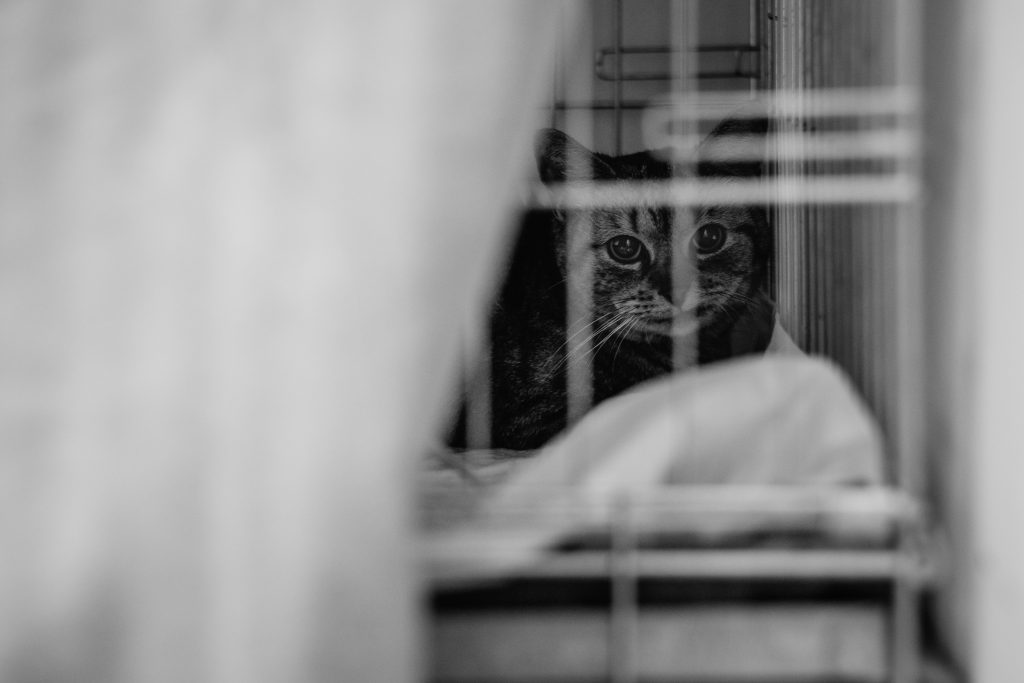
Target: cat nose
[
  {"x": 673, "y": 280},
  {"x": 661, "y": 280}
]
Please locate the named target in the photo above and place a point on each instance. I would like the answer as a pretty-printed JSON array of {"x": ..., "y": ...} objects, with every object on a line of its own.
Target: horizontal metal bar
[
  {"x": 511, "y": 540},
  {"x": 600, "y": 105},
  {"x": 805, "y": 103},
  {"x": 712, "y": 109},
  {"x": 785, "y": 564},
  {"x": 744, "y": 62},
  {"x": 604, "y": 52},
  {"x": 742, "y": 104},
  {"x": 701, "y": 74},
  {"x": 878, "y": 144},
  {"x": 752, "y": 499},
  {"x": 737, "y": 564},
  {"x": 889, "y": 188}
]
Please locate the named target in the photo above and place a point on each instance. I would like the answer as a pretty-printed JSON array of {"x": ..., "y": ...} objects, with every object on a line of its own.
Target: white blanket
[{"x": 771, "y": 421}]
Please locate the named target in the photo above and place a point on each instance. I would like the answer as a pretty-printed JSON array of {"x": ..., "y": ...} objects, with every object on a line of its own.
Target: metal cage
[{"x": 839, "y": 81}]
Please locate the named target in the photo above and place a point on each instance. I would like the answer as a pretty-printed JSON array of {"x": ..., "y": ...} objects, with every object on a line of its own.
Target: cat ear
[
  {"x": 748, "y": 134},
  {"x": 560, "y": 158}
]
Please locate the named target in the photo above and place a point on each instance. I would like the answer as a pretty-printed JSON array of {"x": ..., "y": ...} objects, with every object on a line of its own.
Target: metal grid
[
  {"x": 839, "y": 80},
  {"x": 628, "y": 562}
]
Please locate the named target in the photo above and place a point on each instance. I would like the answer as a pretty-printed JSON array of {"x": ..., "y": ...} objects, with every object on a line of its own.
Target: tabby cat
[{"x": 641, "y": 305}]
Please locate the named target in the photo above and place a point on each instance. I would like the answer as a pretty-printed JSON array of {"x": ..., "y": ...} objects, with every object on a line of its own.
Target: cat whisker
[
  {"x": 560, "y": 283},
  {"x": 732, "y": 312},
  {"x": 616, "y": 318},
  {"x": 621, "y": 324},
  {"x": 585, "y": 328},
  {"x": 605, "y": 331},
  {"x": 608, "y": 329},
  {"x": 629, "y": 323},
  {"x": 629, "y": 327}
]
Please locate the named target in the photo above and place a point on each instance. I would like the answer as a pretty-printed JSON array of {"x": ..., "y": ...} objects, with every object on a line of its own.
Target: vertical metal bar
[
  {"x": 558, "y": 73},
  {"x": 579, "y": 326},
  {"x": 810, "y": 263},
  {"x": 821, "y": 238},
  {"x": 579, "y": 281},
  {"x": 623, "y": 617},
  {"x": 792, "y": 249},
  {"x": 789, "y": 240},
  {"x": 618, "y": 75},
  {"x": 686, "y": 100},
  {"x": 909, "y": 293},
  {"x": 623, "y": 665},
  {"x": 904, "y": 664},
  {"x": 753, "y": 35},
  {"x": 909, "y": 335}
]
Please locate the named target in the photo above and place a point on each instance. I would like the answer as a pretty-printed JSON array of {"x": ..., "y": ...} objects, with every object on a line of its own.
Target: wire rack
[{"x": 839, "y": 81}]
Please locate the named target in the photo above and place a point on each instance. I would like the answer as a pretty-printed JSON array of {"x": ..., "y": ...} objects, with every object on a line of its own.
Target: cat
[{"x": 641, "y": 321}]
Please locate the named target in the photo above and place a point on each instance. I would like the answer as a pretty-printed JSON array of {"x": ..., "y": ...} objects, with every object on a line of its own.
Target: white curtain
[{"x": 236, "y": 242}]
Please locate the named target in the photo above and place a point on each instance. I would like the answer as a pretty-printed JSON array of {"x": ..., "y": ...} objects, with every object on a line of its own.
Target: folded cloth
[
  {"x": 765, "y": 420},
  {"x": 776, "y": 420},
  {"x": 781, "y": 342}
]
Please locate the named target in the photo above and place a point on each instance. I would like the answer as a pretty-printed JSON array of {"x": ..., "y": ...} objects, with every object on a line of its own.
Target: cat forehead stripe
[{"x": 851, "y": 189}]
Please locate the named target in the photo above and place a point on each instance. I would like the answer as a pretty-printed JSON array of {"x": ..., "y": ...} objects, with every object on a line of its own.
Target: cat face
[{"x": 650, "y": 271}]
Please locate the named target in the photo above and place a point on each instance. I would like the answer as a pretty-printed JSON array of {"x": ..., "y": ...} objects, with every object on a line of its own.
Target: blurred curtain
[{"x": 237, "y": 240}]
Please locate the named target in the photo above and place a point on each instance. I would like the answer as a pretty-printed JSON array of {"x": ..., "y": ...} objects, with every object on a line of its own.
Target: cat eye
[
  {"x": 625, "y": 249},
  {"x": 709, "y": 238}
]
